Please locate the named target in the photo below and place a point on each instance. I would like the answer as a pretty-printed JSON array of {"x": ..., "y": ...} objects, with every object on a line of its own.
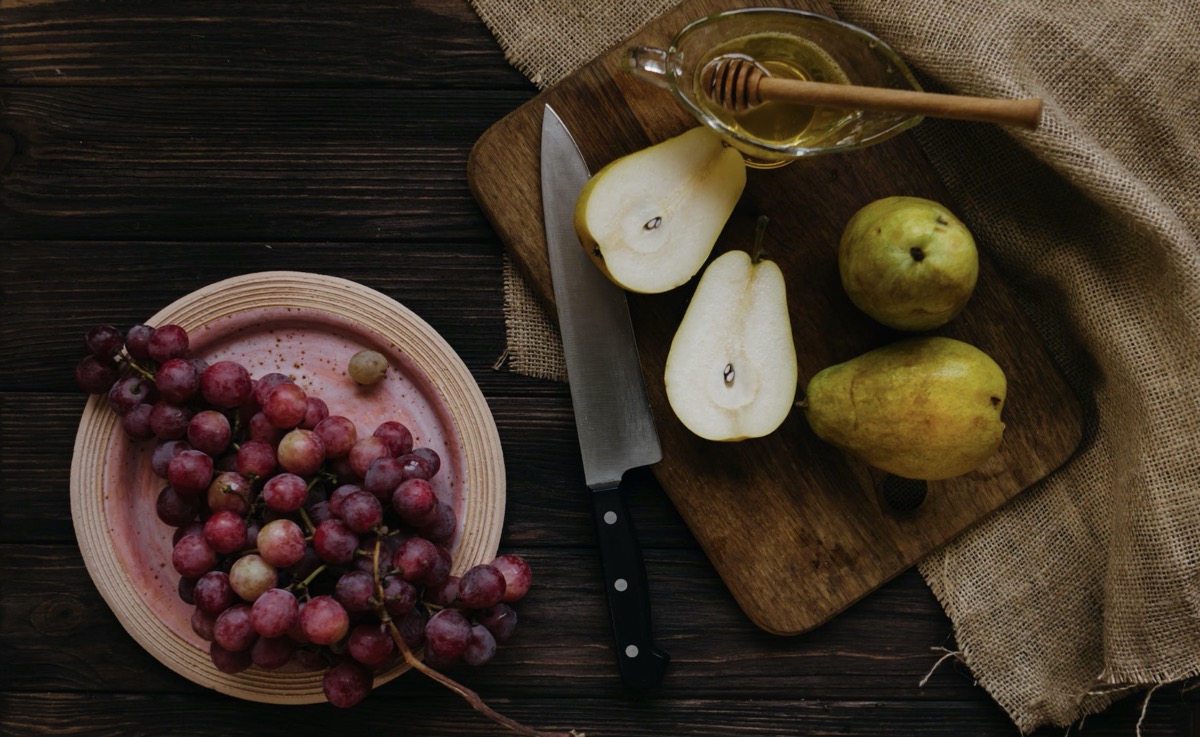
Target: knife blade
[{"x": 612, "y": 415}]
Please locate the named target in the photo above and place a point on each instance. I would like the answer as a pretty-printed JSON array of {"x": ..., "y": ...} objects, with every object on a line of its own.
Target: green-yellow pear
[
  {"x": 731, "y": 371},
  {"x": 908, "y": 262},
  {"x": 923, "y": 408},
  {"x": 650, "y": 219}
]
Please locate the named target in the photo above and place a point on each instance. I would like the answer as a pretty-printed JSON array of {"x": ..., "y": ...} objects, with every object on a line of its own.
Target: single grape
[
  {"x": 274, "y": 612},
  {"x": 129, "y": 392},
  {"x": 95, "y": 375},
  {"x": 319, "y": 512},
  {"x": 354, "y": 591},
  {"x": 346, "y": 683},
  {"x": 399, "y": 596},
  {"x": 225, "y": 532},
  {"x": 209, "y": 432},
  {"x": 440, "y": 570},
  {"x": 339, "y": 495},
  {"x": 413, "y": 466},
  {"x": 192, "y": 528},
  {"x": 364, "y": 452},
  {"x": 443, "y": 526},
  {"x": 264, "y": 385},
  {"x": 213, "y": 594},
  {"x": 361, "y": 511},
  {"x": 412, "y": 628},
  {"x": 228, "y": 661},
  {"x": 482, "y": 586},
  {"x": 285, "y": 492},
  {"x": 251, "y": 576},
  {"x": 203, "y": 624},
  {"x": 233, "y": 630},
  {"x": 335, "y": 542},
  {"x": 255, "y": 458},
  {"x": 190, "y": 471},
  {"x": 169, "y": 421},
  {"x": 163, "y": 453},
  {"x": 315, "y": 413},
  {"x": 192, "y": 556},
  {"x": 431, "y": 457},
  {"x": 382, "y": 477},
  {"x": 370, "y": 645},
  {"x": 167, "y": 342},
  {"x": 500, "y": 620},
  {"x": 415, "y": 502},
  {"x": 286, "y": 406},
  {"x": 414, "y": 558},
  {"x": 187, "y": 589},
  {"x": 225, "y": 384},
  {"x": 176, "y": 509},
  {"x": 444, "y": 595},
  {"x": 398, "y": 437},
  {"x": 281, "y": 543},
  {"x": 137, "y": 341},
  {"x": 260, "y": 428},
  {"x": 324, "y": 620},
  {"x": 136, "y": 422},
  {"x": 300, "y": 452},
  {"x": 177, "y": 381},
  {"x": 338, "y": 434},
  {"x": 517, "y": 576},
  {"x": 481, "y": 647},
  {"x": 103, "y": 341},
  {"x": 230, "y": 490},
  {"x": 368, "y": 367},
  {"x": 271, "y": 653},
  {"x": 447, "y": 634}
]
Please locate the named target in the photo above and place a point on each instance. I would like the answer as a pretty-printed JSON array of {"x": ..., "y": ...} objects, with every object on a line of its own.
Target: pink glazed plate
[{"x": 307, "y": 326}]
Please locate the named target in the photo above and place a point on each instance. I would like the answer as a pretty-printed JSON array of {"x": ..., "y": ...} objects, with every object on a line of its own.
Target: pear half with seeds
[
  {"x": 731, "y": 371},
  {"x": 650, "y": 219}
]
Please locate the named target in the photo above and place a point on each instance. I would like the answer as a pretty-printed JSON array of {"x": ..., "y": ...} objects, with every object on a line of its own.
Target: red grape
[
  {"x": 481, "y": 647},
  {"x": 315, "y": 413},
  {"x": 444, "y": 524},
  {"x": 274, "y": 612},
  {"x": 256, "y": 458},
  {"x": 129, "y": 392},
  {"x": 440, "y": 570},
  {"x": 444, "y": 595},
  {"x": 95, "y": 375},
  {"x": 397, "y": 436},
  {"x": 177, "y": 381},
  {"x": 382, "y": 477},
  {"x": 517, "y": 576},
  {"x": 430, "y": 456},
  {"x": 324, "y": 620},
  {"x": 103, "y": 341},
  {"x": 361, "y": 512},
  {"x": 190, "y": 471},
  {"x": 233, "y": 630},
  {"x": 364, "y": 452},
  {"x": 354, "y": 591},
  {"x": 399, "y": 596},
  {"x": 193, "y": 556},
  {"x": 265, "y": 384},
  {"x": 176, "y": 509},
  {"x": 209, "y": 432},
  {"x": 225, "y": 532},
  {"x": 370, "y": 645},
  {"x": 286, "y": 406},
  {"x": 225, "y": 384},
  {"x": 482, "y": 586},
  {"x": 346, "y": 683},
  {"x": 136, "y": 422},
  {"x": 260, "y": 428},
  {"x": 338, "y": 434},
  {"x": 203, "y": 624},
  {"x": 169, "y": 421},
  {"x": 415, "y": 502},
  {"x": 501, "y": 621},
  {"x": 270, "y": 653},
  {"x": 229, "y": 490},
  {"x": 414, "y": 558},
  {"x": 281, "y": 543},
  {"x": 213, "y": 594},
  {"x": 285, "y": 492},
  {"x": 187, "y": 589},
  {"x": 412, "y": 628},
  {"x": 413, "y": 466},
  {"x": 335, "y": 542},
  {"x": 137, "y": 341},
  {"x": 167, "y": 342},
  {"x": 447, "y": 633},
  {"x": 228, "y": 661},
  {"x": 339, "y": 495},
  {"x": 301, "y": 452},
  {"x": 163, "y": 453}
]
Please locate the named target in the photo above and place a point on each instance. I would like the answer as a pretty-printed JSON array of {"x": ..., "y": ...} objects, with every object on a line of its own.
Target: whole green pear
[
  {"x": 908, "y": 262},
  {"x": 923, "y": 408}
]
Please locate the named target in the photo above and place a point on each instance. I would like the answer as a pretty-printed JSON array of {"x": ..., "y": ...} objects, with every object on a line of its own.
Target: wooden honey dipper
[{"x": 739, "y": 83}]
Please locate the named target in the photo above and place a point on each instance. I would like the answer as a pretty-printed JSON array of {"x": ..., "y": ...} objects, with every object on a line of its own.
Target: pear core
[{"x": 924, "y": 408}]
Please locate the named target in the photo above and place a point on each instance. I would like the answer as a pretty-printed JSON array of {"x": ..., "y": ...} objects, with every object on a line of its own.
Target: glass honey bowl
[{"x": 786, "y": 43}]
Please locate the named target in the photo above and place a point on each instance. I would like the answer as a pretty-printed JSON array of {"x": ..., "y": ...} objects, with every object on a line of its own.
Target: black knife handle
[{"x": 640, "y": 662}]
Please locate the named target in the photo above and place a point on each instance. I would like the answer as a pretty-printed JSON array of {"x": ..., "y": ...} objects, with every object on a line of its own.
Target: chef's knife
[{"x": 612, "y": 415}]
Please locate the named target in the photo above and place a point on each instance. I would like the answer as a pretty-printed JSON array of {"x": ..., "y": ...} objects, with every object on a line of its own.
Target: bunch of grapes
[{"x": 296, "y": 539}]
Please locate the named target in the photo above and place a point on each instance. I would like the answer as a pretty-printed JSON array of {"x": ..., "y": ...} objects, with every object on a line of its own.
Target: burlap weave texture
[{"x": 1087, "y": 586}]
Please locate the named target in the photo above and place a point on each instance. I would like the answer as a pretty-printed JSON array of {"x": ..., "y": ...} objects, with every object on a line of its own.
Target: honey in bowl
[{"x": 783, "y": 124}]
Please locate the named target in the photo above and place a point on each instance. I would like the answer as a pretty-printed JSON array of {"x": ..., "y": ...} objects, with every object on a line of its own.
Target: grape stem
[{"x": 467, "y": 694}]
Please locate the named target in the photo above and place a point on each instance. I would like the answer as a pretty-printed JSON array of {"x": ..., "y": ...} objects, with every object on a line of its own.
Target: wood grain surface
[
  {"x": 148, "y": 149},
  {"x": 797, "y": 530}
]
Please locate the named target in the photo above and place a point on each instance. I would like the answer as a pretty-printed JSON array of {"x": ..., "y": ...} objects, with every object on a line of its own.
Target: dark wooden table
[{"x": 148, "y": 149}]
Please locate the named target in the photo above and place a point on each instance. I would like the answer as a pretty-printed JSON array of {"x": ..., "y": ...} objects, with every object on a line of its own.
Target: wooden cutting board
[{"x": 796, "y": 529}]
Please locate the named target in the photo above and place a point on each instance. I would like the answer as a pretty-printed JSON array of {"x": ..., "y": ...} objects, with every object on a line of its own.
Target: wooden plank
[{"x": 797, "y": 530}]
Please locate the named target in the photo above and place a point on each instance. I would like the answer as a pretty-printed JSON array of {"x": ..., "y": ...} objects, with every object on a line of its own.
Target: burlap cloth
[{"x": 1087, "y": 587}]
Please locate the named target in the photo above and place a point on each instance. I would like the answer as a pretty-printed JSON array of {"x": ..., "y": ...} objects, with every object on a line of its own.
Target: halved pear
[
  {"x": 731, "y": 371},
  {"x": 650, "y": 219}
]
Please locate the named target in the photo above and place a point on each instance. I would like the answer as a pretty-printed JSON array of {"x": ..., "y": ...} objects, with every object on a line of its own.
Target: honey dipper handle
[{"x": 1023, "y": 112}]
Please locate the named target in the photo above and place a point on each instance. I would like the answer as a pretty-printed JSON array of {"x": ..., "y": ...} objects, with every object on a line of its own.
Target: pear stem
[
  {"x": 760, "y": 230},
  {"x": 801, "y": 404}
]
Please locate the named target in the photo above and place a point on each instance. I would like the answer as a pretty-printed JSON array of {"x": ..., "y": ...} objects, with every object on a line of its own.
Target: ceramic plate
[{"x": 307, "y": 326}]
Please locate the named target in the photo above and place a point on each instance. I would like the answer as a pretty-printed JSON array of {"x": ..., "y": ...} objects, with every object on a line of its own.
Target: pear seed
[
  {"x": 729, "y": 374},
  {"x": 653, "y": 223}
]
